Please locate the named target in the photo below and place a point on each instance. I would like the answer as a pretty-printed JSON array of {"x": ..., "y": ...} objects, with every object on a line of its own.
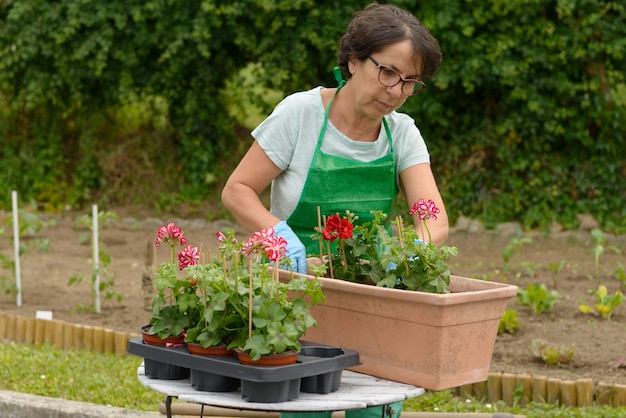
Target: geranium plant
[
  {"x": 220, "y": 296},
  {"x": 235, "y": 299},
  {"x": 174, "y": 307},
  {"x": 368, "y": 253},
  {"x": 278, "y": 313}
]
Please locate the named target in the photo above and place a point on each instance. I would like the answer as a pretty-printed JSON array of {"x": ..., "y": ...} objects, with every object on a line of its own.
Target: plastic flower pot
[
  {"x": 268, "y": 360},
  {"x": 152, "y": 339}
]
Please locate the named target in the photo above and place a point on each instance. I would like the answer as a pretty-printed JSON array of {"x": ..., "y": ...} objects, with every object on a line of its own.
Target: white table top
[{"x": 355, "y": 392}]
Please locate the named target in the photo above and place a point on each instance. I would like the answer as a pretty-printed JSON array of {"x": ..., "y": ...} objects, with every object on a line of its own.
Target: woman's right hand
[{"x": 296, "y": 252}]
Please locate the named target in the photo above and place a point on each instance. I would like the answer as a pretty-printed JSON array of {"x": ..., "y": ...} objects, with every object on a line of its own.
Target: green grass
[
  {"x": 79, "y": 375},
  {"x": 444, "y": 401},
  {"x": 108, "y": 379}
]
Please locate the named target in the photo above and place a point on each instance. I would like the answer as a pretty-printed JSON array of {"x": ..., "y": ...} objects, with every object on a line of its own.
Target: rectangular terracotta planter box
[{"x": 428, "y": 340}]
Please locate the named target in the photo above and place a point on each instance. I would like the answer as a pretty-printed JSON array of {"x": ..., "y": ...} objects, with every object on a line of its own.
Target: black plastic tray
[{"x": 317, "y": 370}]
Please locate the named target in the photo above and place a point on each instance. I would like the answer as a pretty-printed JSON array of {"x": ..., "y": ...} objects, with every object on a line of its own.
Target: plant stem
[
  {"x": 330, "y": 261},
  {"x": 206, "y": 323},
  {"x": 274, "y": 271},
  {"x": 319, "y": 228},
  {"x": 154, "y": 255},
  {"x": 250, "y": 303},
  {"x": 427, "y": 230},
  {"x": 401, "y": 237}
]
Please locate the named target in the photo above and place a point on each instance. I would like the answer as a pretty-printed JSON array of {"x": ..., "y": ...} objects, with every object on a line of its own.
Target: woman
[
  {"x": 345, "y": 148},
  {"x": 360, "y": 136}
]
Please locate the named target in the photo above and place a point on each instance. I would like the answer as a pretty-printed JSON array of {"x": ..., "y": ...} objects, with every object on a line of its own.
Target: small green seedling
[
  {"x": 619, "y": 363},
  {"x": 541, "y": 350},
  {"x": 106, "y": 278},
  {"x": 620, "y": 274},
  {"x": 537, "y": 297},
  {"x": 29, "y": 225},
  {"x": 509, "y": 322},
  {"x": 555, "y": 270},
  {"x": 514, "y": 249},
  {"x": 605, "y": 303},
  {"x": 490, "y": 276},
  {"x": 529, "y": 267},
  {"x": 599, "y": 247}
]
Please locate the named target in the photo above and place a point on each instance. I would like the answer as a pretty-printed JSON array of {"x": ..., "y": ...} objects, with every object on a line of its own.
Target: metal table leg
[{"x": 168, "y": 407}]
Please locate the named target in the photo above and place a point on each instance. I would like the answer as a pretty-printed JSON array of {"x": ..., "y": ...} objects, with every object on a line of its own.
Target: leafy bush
[
  {"x": 524, "y": 120},
  {"x": 524, "y": 117}
]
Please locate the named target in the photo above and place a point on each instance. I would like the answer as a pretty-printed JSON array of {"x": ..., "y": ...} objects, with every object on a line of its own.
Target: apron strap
[
  {"x": 341, "y": 82},
  {"x": 338, "y": 77}
]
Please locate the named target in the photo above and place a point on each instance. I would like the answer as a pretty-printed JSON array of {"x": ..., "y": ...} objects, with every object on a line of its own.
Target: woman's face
[{"x": 373, "y": 99}]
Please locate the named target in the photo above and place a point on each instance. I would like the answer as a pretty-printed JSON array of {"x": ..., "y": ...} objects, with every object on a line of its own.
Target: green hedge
[{"x": 524, "y": 121}]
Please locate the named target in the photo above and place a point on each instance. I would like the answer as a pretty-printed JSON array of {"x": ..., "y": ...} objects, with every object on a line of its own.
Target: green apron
[{"x": 336, "y": 184}]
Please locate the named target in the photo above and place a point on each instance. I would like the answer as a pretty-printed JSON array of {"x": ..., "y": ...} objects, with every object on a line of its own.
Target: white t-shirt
[{"x": 289, "y": 138}]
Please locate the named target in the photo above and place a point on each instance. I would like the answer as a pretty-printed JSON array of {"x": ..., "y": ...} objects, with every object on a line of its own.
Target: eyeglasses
[{"x": 389, "y": 77}]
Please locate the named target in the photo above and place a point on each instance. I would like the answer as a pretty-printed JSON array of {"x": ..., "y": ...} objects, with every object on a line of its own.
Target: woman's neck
[{"x": 347, "y": 120}]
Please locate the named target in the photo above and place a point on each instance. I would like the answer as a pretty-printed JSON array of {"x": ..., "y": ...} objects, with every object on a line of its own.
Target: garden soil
[{"x": 600, "y": 344}]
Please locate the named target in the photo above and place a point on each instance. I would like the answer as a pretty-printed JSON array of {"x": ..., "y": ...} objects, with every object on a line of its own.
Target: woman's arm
[
  {"x": 418, "y": 182},
  {"x": 241, "y": 192}
]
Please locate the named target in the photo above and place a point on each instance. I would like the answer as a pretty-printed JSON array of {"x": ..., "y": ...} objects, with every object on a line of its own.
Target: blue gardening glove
[
  {"x": 295, "y": 248},
  {"x": 392, "y": 265}
]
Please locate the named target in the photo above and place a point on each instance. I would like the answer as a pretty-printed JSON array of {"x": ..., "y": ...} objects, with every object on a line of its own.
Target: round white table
[{"x": 356, "y": 391}]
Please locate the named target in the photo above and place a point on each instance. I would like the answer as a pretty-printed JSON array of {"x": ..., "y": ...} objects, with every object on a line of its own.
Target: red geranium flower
[
  {"x": 188, "y": 257},
  {"x": 170, "y": 234},
  {"x": 425, "y": 209},
  {"x": 345, "y": 229},
  {"x": 275, "y": 247},
  {"x": 336, "y": 227},
  {"x": 255, "y": 242}
]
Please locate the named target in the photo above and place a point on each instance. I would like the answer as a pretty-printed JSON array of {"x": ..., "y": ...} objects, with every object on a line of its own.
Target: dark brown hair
[{"x": 380, "y": 25}]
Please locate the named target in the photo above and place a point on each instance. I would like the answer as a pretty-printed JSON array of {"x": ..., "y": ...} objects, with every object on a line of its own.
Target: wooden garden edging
[
  {"x": 497, "y": 387},
  {"x": 63, "y": 335},
  {"x": 542, "y": 389}
]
